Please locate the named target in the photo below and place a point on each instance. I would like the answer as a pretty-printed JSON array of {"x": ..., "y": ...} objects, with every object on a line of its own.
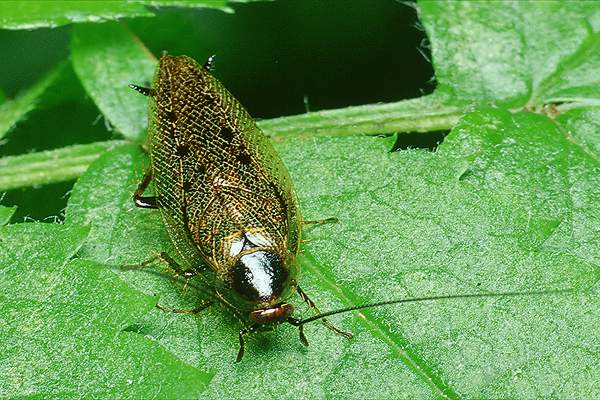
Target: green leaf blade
[
  {"x": 6, "y": 213},
  {"x": 514, "y": 54},
  {"x": 107, "y": 58},
  {"x": 15, "y": 110},
  {"x": 35, "y": 14},
  {"x": 54, "y": 312},
  {"x": 50, "y": 166},
  {"x": 511, "y": 220}
]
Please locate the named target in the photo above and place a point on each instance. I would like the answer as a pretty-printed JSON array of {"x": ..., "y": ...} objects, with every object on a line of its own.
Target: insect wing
[{"x": 215, "y": 173}]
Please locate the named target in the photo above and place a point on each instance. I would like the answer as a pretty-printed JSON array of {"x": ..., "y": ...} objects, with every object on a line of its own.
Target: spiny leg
[
  {"x": 177, "y": 270},
  {"x": 243, "y": 333},
  {"x": 142, "y": 265},
  {"x": 209, "y": 65},
  {"x": 203, "y": 305},
  {"x": 331, "y": 220},
  {"x": 143, "y": 90},
  {"x": 145, "y": 201},
  {"x": 313, "y": 307},
  {"x": 175, "y": 267}
]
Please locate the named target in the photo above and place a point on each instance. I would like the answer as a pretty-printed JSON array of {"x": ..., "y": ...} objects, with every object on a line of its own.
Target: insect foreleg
[
  {"x": 331, "y": 220},
  {"x": 209, "y": 65},
  {"x": 174, "y": 267},
  {"x": 296, "y": 322},
  {"x": 203, "y": 305},
  {"x": 313, "y": 307},
  {"x": 144, "y": 201},
  {"x": 143, "y": 90},
  {"x": 243, "y": 333}
]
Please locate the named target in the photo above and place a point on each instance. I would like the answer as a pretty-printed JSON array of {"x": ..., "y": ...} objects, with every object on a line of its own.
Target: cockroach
[{"x": 227, "y": 201}]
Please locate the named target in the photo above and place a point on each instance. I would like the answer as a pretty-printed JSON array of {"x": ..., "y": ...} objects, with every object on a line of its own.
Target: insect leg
[
  {"x": 209, "y": 65},
  {"x": 324, "y": 321},
  {"x": 243, "y": 333},
  {"x": 203, "y": 305},
  {"x": 143, "y": 90},
  {"x": 331, "y": 220},
  {"x": 144, "y": 201},
  {"x": 296, "y": 322},
  {"x": 174, "y": 267},
  {"x": 178, "y": 271}
]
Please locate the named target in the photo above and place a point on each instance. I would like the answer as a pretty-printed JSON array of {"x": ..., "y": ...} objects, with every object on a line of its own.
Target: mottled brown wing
[{"x": 215, "y": 173}]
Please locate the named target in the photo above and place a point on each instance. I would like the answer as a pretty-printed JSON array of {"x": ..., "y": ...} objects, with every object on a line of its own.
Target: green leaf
[
  {"x": 33, "y": 14},
  {"x": 107, "y": 58},
  {"x": 516, "y": 54},
  {"x": 219, "y": 4},
  {"x": 13, "y": 111},
  {"x": 6, "y": 213},
  {"x": 507, "y": 203},
  {"x": 582, "y": 127},
  {"x": 102, "y": 198},
  {"x": 61, "y": 340}
]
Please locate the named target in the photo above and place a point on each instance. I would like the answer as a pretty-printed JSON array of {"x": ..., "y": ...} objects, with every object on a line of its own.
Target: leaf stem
[
  {"x": 50, "y": 166},
  {"x": 424, "y": 114}
]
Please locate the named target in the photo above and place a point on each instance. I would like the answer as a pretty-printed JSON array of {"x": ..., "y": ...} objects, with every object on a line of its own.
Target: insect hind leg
[
  {"x": 145, "y": 201},
  {"x": 203, "y": 305},
  {"x": 313, "y": 307},
  {"x": 175, "y": 269},
  {"x": 330, "y": 220}
]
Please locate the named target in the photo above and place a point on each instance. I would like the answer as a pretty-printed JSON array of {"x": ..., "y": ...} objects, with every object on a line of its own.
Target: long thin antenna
[{"x": 428, "y": 298}]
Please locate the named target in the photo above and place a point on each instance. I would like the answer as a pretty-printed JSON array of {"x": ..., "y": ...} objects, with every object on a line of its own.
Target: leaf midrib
[{"x": 396, "y": 342}]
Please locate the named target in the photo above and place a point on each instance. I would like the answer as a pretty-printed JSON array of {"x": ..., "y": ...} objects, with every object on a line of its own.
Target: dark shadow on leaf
[{"x": 419, "y": 140}]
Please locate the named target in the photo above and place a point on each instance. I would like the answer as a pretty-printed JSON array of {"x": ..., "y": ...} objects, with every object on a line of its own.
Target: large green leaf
[
  {"x": 475, "y": 216},
  {"x": 60, "y": 339},
  {"x": 516, "y": 53},
  {"x": 510, "y": 201}
]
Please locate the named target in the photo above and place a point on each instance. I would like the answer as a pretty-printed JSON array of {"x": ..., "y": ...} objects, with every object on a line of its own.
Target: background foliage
[{"x": 510, "y": 199}]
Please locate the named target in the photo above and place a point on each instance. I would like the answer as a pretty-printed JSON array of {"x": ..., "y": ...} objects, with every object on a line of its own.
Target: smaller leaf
[
  {"x": 50, "y": 14},
  {"x": 515, "y": 53},
  {"x": 13, "y": 111},
  {"x": 218, "y": 4},
  {"x": 107, "y": 58},
  {"x": 6, "y": 213}
]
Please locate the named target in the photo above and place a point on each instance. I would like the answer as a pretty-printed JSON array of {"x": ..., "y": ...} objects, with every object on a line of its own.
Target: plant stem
[
  {"x": 50, "y": 166},
  {"x": 424, "y": 114}
]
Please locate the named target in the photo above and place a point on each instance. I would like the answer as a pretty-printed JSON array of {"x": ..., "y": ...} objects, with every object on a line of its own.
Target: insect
[
  {"x": 227, "y": 201},
  {"x": 224, "y": 195}
]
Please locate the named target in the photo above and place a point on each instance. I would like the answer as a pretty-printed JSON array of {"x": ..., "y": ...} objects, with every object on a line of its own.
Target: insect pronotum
[{"x": 227, "y": 201}]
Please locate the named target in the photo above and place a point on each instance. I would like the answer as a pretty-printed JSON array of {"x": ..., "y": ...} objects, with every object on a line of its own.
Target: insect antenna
[{"x": 427, "y": 298}]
